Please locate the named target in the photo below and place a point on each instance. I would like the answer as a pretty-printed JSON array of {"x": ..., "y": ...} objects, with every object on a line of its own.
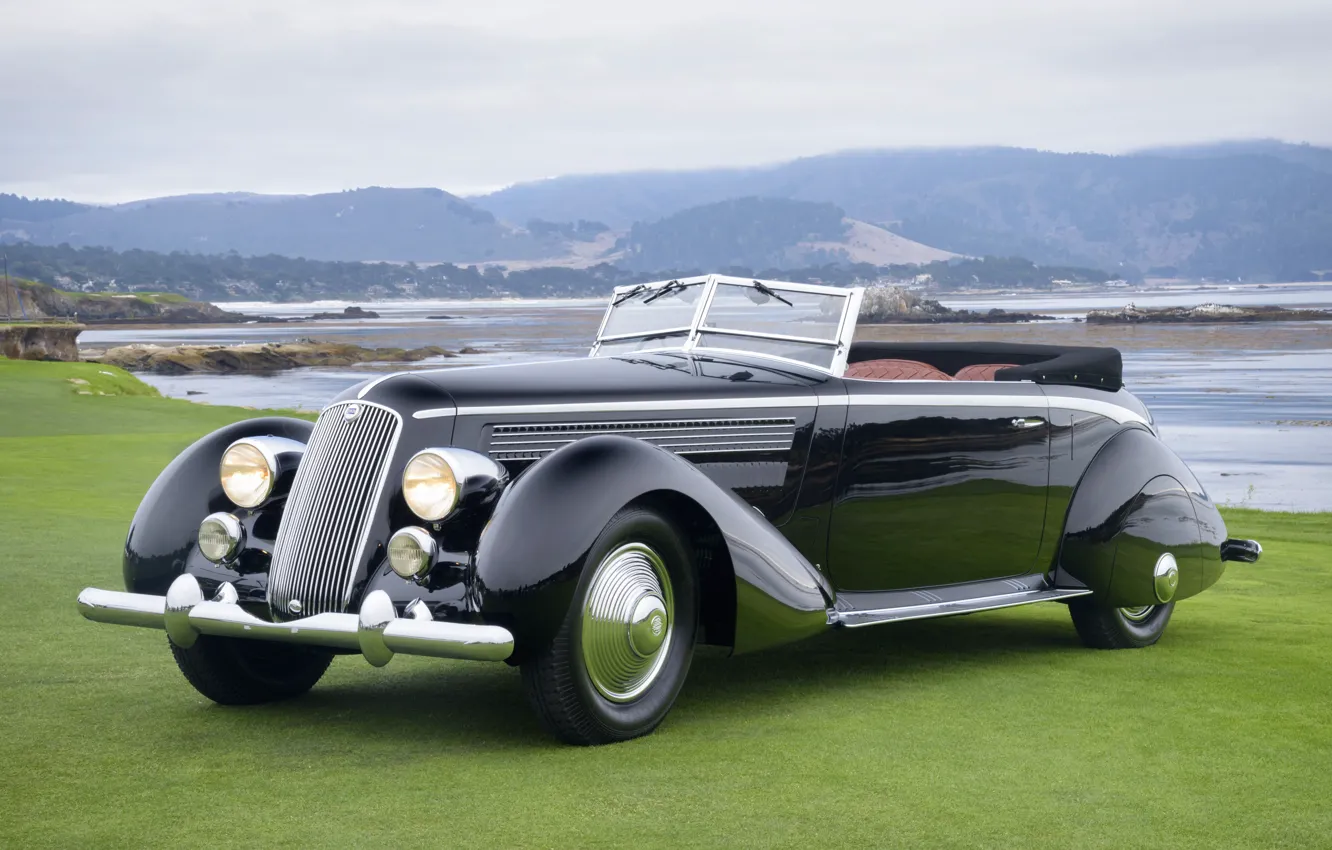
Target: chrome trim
[
  {"x": 856, "y": 619},
  {"x": 1137, "y": 613},
  {"x": 645, "y": 334},
  {"x": 122, "y": 609},
  {"x": 1122, "y": 415},
  {"x": 411, "y": 635},
  {"x": 1165, "y": 577},
  {"x": 1109, "y": 410},
  {"x": 279, "y": 453},
  {"x": 231, "y": 527},
  {"x": 376, "y": 382},
  {"x": 625, "y": 406},
  {"x": 812, "y": 340},
  {"x": 425, "y": 545},
  {"x": 624, "y": 652},
  {"x": 840, "y": 343},
  {"x": 327, "y": 522},
  {"x": 181, "y": 598},
  {"x": 524, "y": 441},
  {"x": 476, "y": 476},
  {"x": 436, "y": 412}
]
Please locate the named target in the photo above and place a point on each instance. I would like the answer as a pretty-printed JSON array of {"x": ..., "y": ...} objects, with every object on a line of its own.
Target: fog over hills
[
  {"x": 1255, "y": 209},
  {"x": 1235, "y": 209}
]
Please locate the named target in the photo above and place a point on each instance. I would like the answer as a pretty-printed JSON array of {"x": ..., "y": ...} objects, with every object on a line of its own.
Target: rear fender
[
  {"x": 165, "y": 528},
  {"x": 1137, "y": 501},
  {"x": 531, "y": 554}
]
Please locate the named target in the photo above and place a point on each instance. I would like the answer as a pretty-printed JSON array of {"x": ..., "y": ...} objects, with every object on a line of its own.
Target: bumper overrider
[{"x": 377, "y": 632}]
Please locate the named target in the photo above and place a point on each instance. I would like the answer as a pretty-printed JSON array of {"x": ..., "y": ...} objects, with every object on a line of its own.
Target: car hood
[{"x": 584, "y": 383}]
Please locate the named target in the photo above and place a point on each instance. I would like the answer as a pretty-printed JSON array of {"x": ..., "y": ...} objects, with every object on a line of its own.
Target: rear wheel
[
  {"x": 1102, "y": 627},
  {"x": 617, "y": 663},
  {"x": 234, "y": 671}
]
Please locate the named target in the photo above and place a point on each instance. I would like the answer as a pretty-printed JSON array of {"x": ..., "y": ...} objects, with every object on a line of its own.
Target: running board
[{"x": 852, "y": 618}]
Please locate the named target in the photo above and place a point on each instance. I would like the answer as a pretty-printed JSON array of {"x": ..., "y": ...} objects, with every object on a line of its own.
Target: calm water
[{"x": 1239, "y": 404}]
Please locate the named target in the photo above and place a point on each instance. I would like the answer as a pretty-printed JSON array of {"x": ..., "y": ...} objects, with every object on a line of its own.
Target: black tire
[
  {"x": 234, "y": 671},
  {"x": 557, "y": 681},
  {"x": 1101, "y": 627}
]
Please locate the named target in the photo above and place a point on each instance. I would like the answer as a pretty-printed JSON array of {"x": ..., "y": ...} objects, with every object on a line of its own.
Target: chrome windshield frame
[{"x": 840, "y": 344}]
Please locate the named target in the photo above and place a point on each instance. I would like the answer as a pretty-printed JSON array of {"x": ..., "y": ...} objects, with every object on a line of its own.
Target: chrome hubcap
[
  {"x": 627, "y": 622},
  {"x": 1138, "y": 614}
]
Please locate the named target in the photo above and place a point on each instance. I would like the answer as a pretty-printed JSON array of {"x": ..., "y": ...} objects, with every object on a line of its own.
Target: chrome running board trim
[
  {"x": 854, "y": 619},
  {"x": 377, "y": 636}
]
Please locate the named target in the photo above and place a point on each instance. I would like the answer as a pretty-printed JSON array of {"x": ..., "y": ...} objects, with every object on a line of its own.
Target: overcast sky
[{"x": 107, "y": 101}]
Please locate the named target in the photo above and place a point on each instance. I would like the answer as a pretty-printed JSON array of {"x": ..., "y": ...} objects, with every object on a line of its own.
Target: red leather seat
[
  {"x": 980, "y": 371},
  {"x": 894, "y": 370}
]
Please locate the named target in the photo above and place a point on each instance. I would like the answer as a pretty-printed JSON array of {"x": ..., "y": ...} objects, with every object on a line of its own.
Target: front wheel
[
  {"x": 1101, "y": 627},
  {"x": 617, "y": 663},
  {"x": 236, "y": 671}
]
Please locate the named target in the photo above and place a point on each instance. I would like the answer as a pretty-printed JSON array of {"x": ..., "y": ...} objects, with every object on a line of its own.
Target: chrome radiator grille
[
  {"x": 683, "y": 436},
  {"x": 327, "y": 517}
]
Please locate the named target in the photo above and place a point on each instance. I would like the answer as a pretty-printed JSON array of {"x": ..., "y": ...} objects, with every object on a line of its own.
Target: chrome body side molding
[{"x": 866, "y": 609}]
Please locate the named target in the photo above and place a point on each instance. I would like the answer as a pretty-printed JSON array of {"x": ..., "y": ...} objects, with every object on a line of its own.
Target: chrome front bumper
[{"x": 377, "y": 632}]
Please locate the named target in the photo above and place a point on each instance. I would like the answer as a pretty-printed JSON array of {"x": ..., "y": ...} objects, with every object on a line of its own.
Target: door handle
[{"x": 1028, "y": 422}]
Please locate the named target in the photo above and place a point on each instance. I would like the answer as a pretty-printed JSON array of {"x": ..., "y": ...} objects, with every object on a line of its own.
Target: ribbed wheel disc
[
  {"x": 1138, "y": 613},
  {"x": 627, "y": 622}
]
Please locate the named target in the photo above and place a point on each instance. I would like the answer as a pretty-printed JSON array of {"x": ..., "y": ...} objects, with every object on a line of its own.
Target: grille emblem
[
  {"x": 352, "y": 412},
  {"x": 294, "y": 606}
]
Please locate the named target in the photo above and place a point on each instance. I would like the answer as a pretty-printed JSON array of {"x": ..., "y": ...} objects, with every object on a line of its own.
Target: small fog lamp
[
  {"x": 220, "y": 536},
  {"x": 411, "y": 551}
]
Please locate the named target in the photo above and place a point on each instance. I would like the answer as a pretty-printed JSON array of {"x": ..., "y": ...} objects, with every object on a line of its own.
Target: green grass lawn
[{"x": 993, "y": 730}]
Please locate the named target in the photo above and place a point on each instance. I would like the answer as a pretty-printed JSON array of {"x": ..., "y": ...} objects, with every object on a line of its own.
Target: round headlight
[
  {"x": 247, "y": 476},
  {"x": 429, "y": 486},
  {"x": 410, "y": 552},
  {"x": 219, "y": 537}
]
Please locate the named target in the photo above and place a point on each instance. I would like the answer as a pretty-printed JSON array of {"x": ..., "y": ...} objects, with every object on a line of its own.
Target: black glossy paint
[
  {"x": 1136, "y": 501},
  {"x": 882, "y": 496},
  {"x": 530, "y": 555},
  {"x": 935, "y": 494},
  {"x": 165, "y": 527}
]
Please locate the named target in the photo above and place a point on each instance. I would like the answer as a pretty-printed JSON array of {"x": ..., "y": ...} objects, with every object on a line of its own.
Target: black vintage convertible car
[{"x": 727, "y": 467}]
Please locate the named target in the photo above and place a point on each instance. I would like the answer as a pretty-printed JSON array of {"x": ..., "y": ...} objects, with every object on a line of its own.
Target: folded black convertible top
[{"x": 1071, "y": 365}]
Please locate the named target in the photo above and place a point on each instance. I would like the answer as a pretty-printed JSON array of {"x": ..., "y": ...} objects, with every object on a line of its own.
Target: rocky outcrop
[
  {"x": 40, "y": 342},
  {"x": 894, "y": 305},
  {"x": 1202, "y": 314},
  {"x": 265, "y": 357},
  {"x": 39, "y": 301},
  {"x": 348, "y": 313}
]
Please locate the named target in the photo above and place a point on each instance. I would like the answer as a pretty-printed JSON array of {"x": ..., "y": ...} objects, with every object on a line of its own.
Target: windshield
[
  {"x": 653, "y": 308},
  {"x": 795, "y": 322}
]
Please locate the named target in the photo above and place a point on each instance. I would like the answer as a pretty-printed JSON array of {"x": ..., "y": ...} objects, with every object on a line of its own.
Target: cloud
[{"x": 114, "y": 101}]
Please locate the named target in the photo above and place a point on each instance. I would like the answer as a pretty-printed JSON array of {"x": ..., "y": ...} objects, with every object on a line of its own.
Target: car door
[{"x": 940, "y": 482}]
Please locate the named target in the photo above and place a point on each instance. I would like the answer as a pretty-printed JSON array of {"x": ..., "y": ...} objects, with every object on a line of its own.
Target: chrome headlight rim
[
  {"x": 442, "y": 456},
  {"x": 425, "y": 552},
  {"x": 270, "y": 461},
  {"x": 233, "y": 532}
]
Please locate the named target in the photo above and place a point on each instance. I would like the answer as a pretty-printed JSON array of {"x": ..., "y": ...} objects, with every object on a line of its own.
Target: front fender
[
  {"x": 1136, "y": 501},
  {"x": 530, "y": 556},
  {"x": 166, "y": 525}
]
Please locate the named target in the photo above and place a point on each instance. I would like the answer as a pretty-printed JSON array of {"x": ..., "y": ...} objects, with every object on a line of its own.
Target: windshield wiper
[
  {"x": 672, "y": 286},
  {"x": 630, "y": 294},
  {"x": 768, "y": 291}
]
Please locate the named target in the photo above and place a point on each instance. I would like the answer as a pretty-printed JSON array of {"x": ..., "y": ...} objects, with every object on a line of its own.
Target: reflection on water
[{"x": 1224, "y": 396}]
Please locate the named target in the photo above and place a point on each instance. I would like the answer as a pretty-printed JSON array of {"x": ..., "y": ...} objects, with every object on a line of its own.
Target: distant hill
[
  {"x": 145, "y": 275},
  {"x": 1255, "y": 210},
  {"x": 762, "y": 233},
  {"x": 422, "y": 225},
  {"x": 19, "y": 208},
  {"x": 1236, "y": 209}
]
